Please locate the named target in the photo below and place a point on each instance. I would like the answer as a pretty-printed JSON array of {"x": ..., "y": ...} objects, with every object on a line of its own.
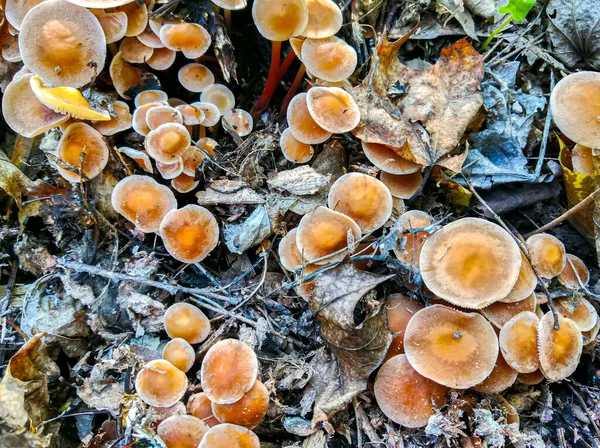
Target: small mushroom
[
  {"x": 560, "y": 349},
  {"x": 16, "y": 10},
  {"x": 150, "y": 38},
  {"x": 139, "y": 121},
  {"x": 293, "y": 149},
  {"x": 187, "y": 322},
  {"x": 500, "y": 313},
  {"x": 385, "y": 158},
  {"x": 229, "y": 436},
  {"x": 301, "y": 123},
  {"x": 84, "y": 149},
  {"x": 150, "y": 96},
  {"x": 248, "y": 411},
  {"x": 582, "y": 159},
  {"x": 408, "y": 247},
  {"x": 525, "y": 285},
  {"x": 502, "y": 377},
  {"x": 324, "y": 19},
  {"x": 400, "y": 310},
  {"x": 330, "y": 59},
  {"x": 159, "y": 115},
  {"x": 279, "y": 21},
  {"x": 519, "y": 342},
  {"x": 547, "y": 253},
  {"x": 162, "y": 59},
  {"x": 134, "y": 51},
  {"x": 170, "y": 171},
  {"x": 125, "y": 77},
  {"x": 200, "y": 406},
  {"x": 167, "y": 142},
  {"x": 189, "y": 38},
  {"x": 114, "y": 25},
  {"x": 212, "y": 114},
  {"x": 333, "y": 109},
  {"x": 160, "y": 383},
  {"x": 531, "y": 379},
  {"x": 590, "y": 336},
  {"x": 182, "y": 431},
  {"x": 567, "y": 276},
  {"x": 140, "y": 157},
  {"x": 192, "y": 116},
  {"x": 192, "y": 158},
  {"x": 579, "y": 310},
  {"x": 121, "y": 123},
  {"x": 403, "y": 186},
  {"x": 184, "y": 183},
  {"x": 220, "y": 96},
  {"x": 288, "y": 252},
  {"x": 179, "y": 353},
  {"x": 137, "y": 17},
  {"x": 195, "y": 77},
  {"x": 240, "y": 120}
]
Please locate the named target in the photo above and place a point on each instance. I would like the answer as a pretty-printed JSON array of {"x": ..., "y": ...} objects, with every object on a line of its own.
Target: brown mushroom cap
[
  {"x": 115, "y": 125},
  {"x": 590, "y": 336},
  {"x": 302, "y": 125},
  {"x": 582, "y": 159},
  {"x": 322, "y": 232},
  {"x": 195, "y": 77},
  {"x": 567, "y": 276},
  {"x": 531, "y": 379},
  {"x": 470, "y": 263},
  {"x": 190, "y": 233},
  {"x": 170, "y": 171},
  {"x": 294, "y": 150},
  {"x": 201, "y": 407},
  {"x": 187, "y": 322},
  {"x": 525, "y": 285},
  {"x": 579, "y": 310},
  {"x": 179, "y": 353},
  {"x": 408, "y": 247},
  {"x": 160, "y": 383},
  {"x": 229, "y": 370},
  {"x": 502, "y": 377},
  {"x": 230, "y": 436},
  {"x": 167, "y": 142},
  {"x": 324, "y": 19},
  {"x": 192, "y": 158},
  {"x": 248, "y": 411},
  {"x": 16, "y": 10},
  {"x": 405, "y": 396},
  {"x": 279, "y": 21},
  {"x": 162, "y": 58},
  {"x": 149, "y": 96},
  {"x": 82, "y": 142},
  {"x": 363, "y": 198},
  {"x": 288, "y": 252},
  {"x": 140, "y": 157},
  {"x": 137, "y": 17},
  {"x": 125, "y": 77},
  {"x": 182, "y": 431},
  {"x": 386, "y": 159},
  {"x": 191, "y": 115},
  {"x": 330, "y": 59},
  {"x": 547, "y": 253},
  {"x": 559, "y": 350},
  {"x": 519, "y": 342},
  {"x": 150, "y": 38},
  {"x": 575, "y": 107},
  {"x": 240, "y": 120},
  {"x": 500, "y": 313},
  {"x": 403, "y": 186},
  {"x": 62, "y": 43},
  {"x": 24, "y": 112},
  {"x": 139, "y": 121},
  {"x": 414, "y": 219},
  {"x": 212, "y": 114},
  {"x": 159, "y": 115},
  {"x": 333, "y": 109},
  {"x": 189, "y": 38},
  {"x": 400, "y": 310},
  {"x": 452, "y": 348},
  {"x": 143, "y": 201},
  {"x": 220, "y": 96},
  {"x": 134, "y": 51},
  {"x": 184, "y": 183},
  {"x": 208, "y": 145}
]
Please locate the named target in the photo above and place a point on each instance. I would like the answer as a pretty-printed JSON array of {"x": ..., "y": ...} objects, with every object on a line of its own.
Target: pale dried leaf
[
  {"x": 482, "y": 8},
  {"x": 228, "y": 192},
  {"x": 301, "y": 181},
  {"x": 253, "y": 231},
  {"x": 457, "y": 10},
  {"x": 12, "y": 179}
]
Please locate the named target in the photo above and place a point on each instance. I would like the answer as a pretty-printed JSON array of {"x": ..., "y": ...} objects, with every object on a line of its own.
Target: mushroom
[
  {"x": 408, "y": 247},
  {"x": 414, "y": 219},
  {"x": 452, "y": 348},
  {"x": 519, "y": 342},
  {"x": 10, "y": 49},
  {"x": 567, "y": 276},
  {"x": 137, "y": 17},
  {"x": 240, "y": 120},
  {"x": 324, "y": 19},
  {"x": 170, "y": 171},
  {"x": 531, "y": 379},
  {"x": 179, "y": 353},
  {"x": 230, "y": 436},
  {"x": 322, "y": 232},
  {"x": 184, "y": 184},
  {"x": 140, "y": 157},
  {"x": 182, "y": 431},
  {"x": 160, "y": 383},
  {"x": 560, "y": 349},
  {"x": 547, "y": 253},
  {"x": 191, "y": 115},
  {"x": 500, "y": 313},
  {"x": 582, "y": 159},
  {"x": 229, "y": 370},
  {"x": 159, "y": 414},
  {"x": 400, "y": 310},
  {"x": 502, "y": 377},
  {"x": 590, "y": 336},
  {"x": 189, "y": 38},
  {"x": 302, "y": 125},
  {"x": 228, "y": 6},
  {"x": 16, "y": 10},
  {"x": 156, "y": 23},
  {"x": 212, "y": 114},
  {"x": 289, "y": 255},
  {"x": 167, "y": 142},
  {"x": 305, "y": 287},
  {"x": 143, "y": 201},
  {"x": 190, "y": 233},
  {"x": 363, "y": 198},
  {"x": 220, "y": 96},
  {"x": 403, "y": 186},
  {"x": 139, "y": 120},
  {"x": 405, "y": 396},
  {"x": 187, "y": 322},
  {"x": 117, "y": 124},
  {"x": 125, "y": 77},
  {"x": 150, "y": 38},
  {"x": 470, "y": 263},
  {"x": 162, "y": 58},
  {"x": 208, "y": 145},
  {"x": 62, "y": 43},
  {"x": 248, "y": 411},
  {"x": 150, "y": 96},
  {"x": 192, "y": 158},
  {"x": 525, "y": 285},
  {"x": 114, "y": 25},
  {"x": 579, "y": 310},
  {"x": 333, "y": 109},
  {"x": 200, "y": 406},
  {"x": 293, "y": 149},
  {"x": 159, "y": 115},
  {"x": 195, "y": 77},
  {"x": 85, "y": 150},
  {"x": 330, "y": 58},
  {"x": 134, "y": 51},
  {"x": 575, "y": 108},
  {"x": 385, "y": 158}
]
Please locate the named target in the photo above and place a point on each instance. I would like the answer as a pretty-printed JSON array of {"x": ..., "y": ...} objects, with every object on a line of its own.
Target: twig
[
  {"x": 580, "y": 281},
  {"x": 547, "y": 125},
  {"x": 586, "y": 409},
  {"x": 78, "y": 414},
  {"x": 260, "y": 283}
]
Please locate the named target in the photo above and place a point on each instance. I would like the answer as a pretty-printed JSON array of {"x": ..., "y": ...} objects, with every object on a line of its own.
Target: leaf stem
[{"x": 496, "y": 31}]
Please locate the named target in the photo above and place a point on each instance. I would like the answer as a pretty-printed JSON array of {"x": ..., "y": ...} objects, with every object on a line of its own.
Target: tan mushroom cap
[
  {"x": 167, "y": 142},
  {"x": 574, "y": 103},
  {"x": 452, "y": 348},
  {"x": 403, "y": 186},
  {"x": 296, "y": 44},
  {"x": 248, "y": 411},
  {"x": 230, "y": 436},
  {"x": 220, "y": 96},
  {"x": 240, "y": 120},
  {"x": 189, "y": 38},
  {"x": 414, "y": 219},
  {"x": 62, "y": 43},
  {"x": 10, "y": 49},
  {"x": 405, "y": 396},
  {"x": 139, "y": 120},
  {"x": 547, "y": 253},
  {"x": 156, "y": 23},
  {"x": 279, "y": 21},
  {"x": 305, "y": 288},
  {"x": 81, "y": 141},
  {"x": 323, "y": 232},
  {"x": 386, "y": 159},
  {"x": 531, "y": 379},
  {"x": 190, "y": 233},
  {"x": 125, "y": 77},
  {"x": 149, "y": 96},
  {"x": 114, "y": 25},
  {"x": 187, "y": 322},
  {"x": 400, "y": 310},
  {"x": 24, "y": 112},
  {"x": 582, "y": 159},
  {"x": 195, "y": 77},
  {"x": 302, "y": 125},
  {"x": 192, "y": 158},
  {"x": 559, "y": 350},
  {"x": 137, "y": 18},
  {"x": 150, "y": 38},
  {"x": 140, "y": 157},
  {"x": 191, "y": 115},
  {"x": 170, "y": 171},
  {"x": 519, "y": 342},
  {"x": 288, "y": 252},
  {"x": 115, "y": 125},
  {"x": 500, "y": 313},
  {"x": 201, "y": 407},
  {"x": 212, "y": 114},
  {"x": 135, "y": 51},
  {"x": 159, "y": 414},
  {"x": 333, "y": 109},
  {"x": 208, "y": 145},
  {"x": 294, "y": 150},
  {"x": 502, "y": 377},
  {"x": 181, "y": 431},
  {"x": 567, "y": 276},
  {"x": 162, "y": 59},
  {"x": 324, "y": 19},
  {"x": 143, "y": 201},
  {"x": 160, "y": 383},
  {"x": 184, "y": 183},
  {"x": 231, "y": 4},
  {"x": 471, "y": 263},
  {"x": 408, "y": 247},
  {"x": 101, "y": 4},
  {"x": 579, "y": 310},
  {"x": 179, "y": 353},
  {"x": 16, "y": 10},
  {"x": 159, "y": 115},
  {"x": 330, "y": 59},
  {"x": 363, "y": 198},
  {"x": 525, "y": 285},
  {"x": 229, "y": 370},
  {"x": 590, "y": 336}
]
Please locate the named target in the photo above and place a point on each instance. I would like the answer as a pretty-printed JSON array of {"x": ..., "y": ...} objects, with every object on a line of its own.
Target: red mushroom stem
[{"x": 293, "y": 89}]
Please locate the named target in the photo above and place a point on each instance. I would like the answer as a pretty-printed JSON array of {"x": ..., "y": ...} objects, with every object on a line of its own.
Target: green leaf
[{"x": 517, "y": 8}]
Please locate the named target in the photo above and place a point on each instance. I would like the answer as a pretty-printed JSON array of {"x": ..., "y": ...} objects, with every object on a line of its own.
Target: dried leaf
[
  {"x": 457, "y": 10},
  {"x": 229, "y": 192},
  {"x": 299, "y": 181},
  {"x": 482, "y": 8},
  {"x": 146, "y": 314},
  {"x": 253, "y": 231},
  {"x": 12, "y": 180}
]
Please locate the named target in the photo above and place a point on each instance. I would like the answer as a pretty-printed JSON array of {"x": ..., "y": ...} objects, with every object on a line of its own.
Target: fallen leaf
[
  {"x": 241, "y": 237},
  {"x": 12, "y": 180},
  {"x": 456, "y": 9},
  {"x": 482, "y": 8},
  {"x": 145, "y": 313},
  {"x": 230, "y": 192},
  {"x": 301, "y": 181}
]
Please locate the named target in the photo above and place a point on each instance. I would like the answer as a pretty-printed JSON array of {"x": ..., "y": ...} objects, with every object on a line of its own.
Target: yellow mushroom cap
[
  {"x": 288, "y": 252},
  {"x": 195, "y": 77},
  {"x": 547, "y": 254},
  {"x": 559, "y": 350},
  {"x": 134, "y": 51},
  {"x": 330, "y": 59},
  {"x": 212, "y": 114},
  {"x": 170, "y": 170},
  {"x": 220, "y": 96},
  {"x": 189, "y": 38},
  {"x": 502, "y": 377},
  {"x": 24, "y": 112},
  {"x": 574, "y": 104},
  {"x": 294, "y": 150},
  {"x": 240, "y": 120},
  {"x": 190, "y": 233},
  {"x": 470, "y": 263},
  {"x": 452, "y": 348},
  {"x": 62, "y": 43},
  {"x": 499, "y": 313},
  {"x": 200, "y": 406},
  {"x": 115, "y": 125},
  {"x": 231, "y": 4},
  {"x": 149, "y": 96},
  {"x": 403, "y": 186},
  {"x": 519, "y": 342},
  {"x": 324, "y": 19},
  {"x": 180, "y": 353},
  {"x": 525, "y": 285},
  {"x": 125, "y": 77},
  {"x": 323, "y": 232},
  {"x": 363, "y": 198},
  {"x": 279, "y": 21},
  {"x": 81, "y": 141},
  {"x": 333, "y": 109},
  {"x": 302, "y": 125},
  {"x": 114, "y": 25},
  {"x": 386, "y": 159},
  {"x": 16, "y": 10},
  {"x": 162, "y": 58},
  {"x": 167, "y": 142},
  {"x": 230, "y": 436},
  {"x": 567, "y": 276},
  {"x": 580, "y": 311},
  {"x": 182, "y": 431},
  {"x": 160, "y": 383}
]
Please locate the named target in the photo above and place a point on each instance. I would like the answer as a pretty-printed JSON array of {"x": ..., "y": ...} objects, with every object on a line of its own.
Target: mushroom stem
[
  {"x": 202, "y": 131},
  {"x": 227, "y": 17},
  {"x": 293, "y": 89}
]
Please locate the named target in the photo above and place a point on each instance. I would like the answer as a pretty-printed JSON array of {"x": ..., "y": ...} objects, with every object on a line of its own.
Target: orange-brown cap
[
  {"x": 200, "y": 406},
  {"x": 330, "y": 59},
  {"x": 170, "y": 170},
  {"x": 160, "y": 383},
  {"x": 294, "y": 150},
  {"x": 162, "y": 58},
  {"x": 81, "y": 142},
  {"x": 324, "y": 19},
  {"x": 140, "y": 157},
  {"x": 333, "y": 109},
  {"x": 189, "y": 38},
  {"x": 220, "y": 96},
  {"x": 182, "y": 431},
  {"x": 231, "y": 436},
  {"x": 471, "y": 263},
  {"x": 559, "y": 350},
  {"x": 187, "y": 322},
  {"x": 302, "y": 125},
  {"x": 525, "y": 285},
  {"x": 579, "y": 310},
  {"x": 414, "y": 219},
  {"x": 125, "y": 77},
  {"x": 452, "y": 348},
  {"x": 400, "y": 310},
  {"x": 403, "y": 186},
  {"x": 184, "y": 183},
  {"x": 499, "y": 313},
  {"x": 248, "y": 411},
  {"x": 192, "y": 158},
  {"x": 408, "y": 247},
  {"x": 139, "y": 119},
  {"x": 531, "y": 379},
  {"x": 167, "y": 142},
  {"x": 567, "y": 276},
  {"x": 195, "y": 77},
  {"x": 150, "y": 38},
  {"x": 134, "y": 51},
  {"x": 277, "y": 20},
  {"x": 519, "y": 342},
  {"x": 240, "y": 120},
  {"x": 149, "y": 96},
  {"x": 212, "y": 114},
  {"x": 137, "y": 17},
  {"x": 288, "y": 252},
  {"x": 191, "y": 115},
  {"x": 117, "y": 124},
  {"x": 159, "y": 115},
  {"x": 502, "y": 377},
  {"x": 386, "y": 159},
  {"x": 582, "y": 159},
  {"x": 179, "y": 353},
  {"x": 547, "y": 253}
]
